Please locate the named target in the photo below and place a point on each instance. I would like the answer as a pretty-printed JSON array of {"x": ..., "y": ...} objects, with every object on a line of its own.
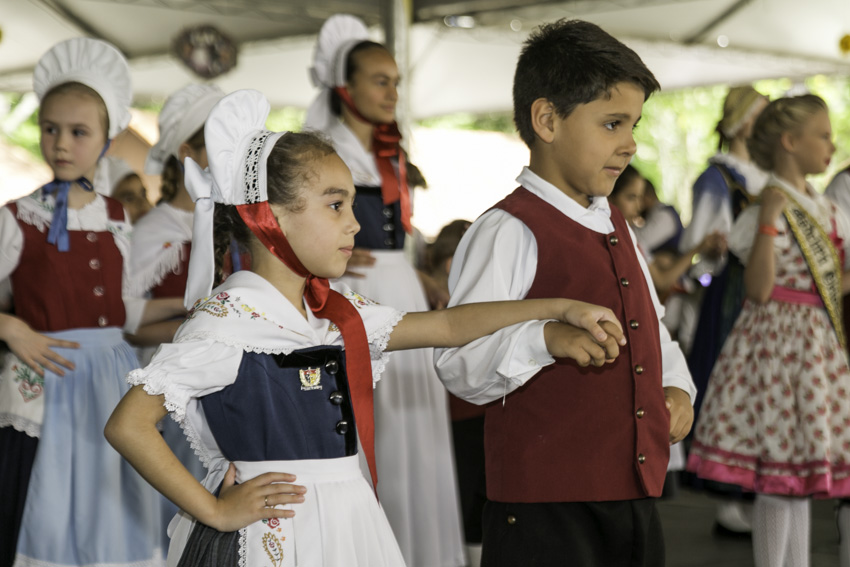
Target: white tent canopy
[{"x": 452, "y": 69}]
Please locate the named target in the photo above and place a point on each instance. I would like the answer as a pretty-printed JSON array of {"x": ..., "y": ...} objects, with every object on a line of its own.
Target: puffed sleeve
[
  {"x": 842, "y": 227},
  {"x": 11, "y": 242},
  {"x": 743, "y": 233},
  {"x": 182, "y": 371}
]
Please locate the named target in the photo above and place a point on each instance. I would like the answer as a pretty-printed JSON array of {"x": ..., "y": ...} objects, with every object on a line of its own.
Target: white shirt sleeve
[
  {"x": 674, "y": 366},
  {"x": 11, "y": 243},
  {"x": 495, "y": 261},
  {"x": 838, "y": 191}
]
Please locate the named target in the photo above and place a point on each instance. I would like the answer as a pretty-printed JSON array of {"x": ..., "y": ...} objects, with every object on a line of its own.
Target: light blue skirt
[{"x": 86, "y": 506}]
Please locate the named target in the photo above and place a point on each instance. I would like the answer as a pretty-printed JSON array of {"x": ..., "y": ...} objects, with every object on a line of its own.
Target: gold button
[
  {"x": 640, "y": 413},
  {"x": 511, "y": 519},
  {"x": 91, "y": 237},
  {"x": 624, "y": 282},
  {"x": 613, "y": 240},
  {"x": 102, "y": 321},
  {"x": 638, "y": 369},
  {"x": 641, "y": 458},
  {"x": 94, "y": 264},
  {"x": 634, "y": 324}
]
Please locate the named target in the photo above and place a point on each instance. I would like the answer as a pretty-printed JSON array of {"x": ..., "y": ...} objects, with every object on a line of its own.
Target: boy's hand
[
  {"x": 566, "y": 341},
  {"x": 240, "y": 505},
  {"x": 681, "y": 413},
  {"x": 359, "y": 257},
  {"x": 589, "y": 317}
]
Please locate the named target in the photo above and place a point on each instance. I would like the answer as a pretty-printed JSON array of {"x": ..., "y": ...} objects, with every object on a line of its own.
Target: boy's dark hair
[{"x": 572, "y": 62}]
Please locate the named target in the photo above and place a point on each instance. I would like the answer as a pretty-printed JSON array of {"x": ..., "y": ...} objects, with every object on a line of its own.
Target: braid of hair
[
  {"x": 172, "y": 177},
  {"x": 228, "y": 229}
]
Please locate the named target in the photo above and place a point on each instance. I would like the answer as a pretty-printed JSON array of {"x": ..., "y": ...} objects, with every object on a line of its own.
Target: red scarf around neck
[
  {"x": 385, "y": 146},
  {"x": 327, "y": 304}
]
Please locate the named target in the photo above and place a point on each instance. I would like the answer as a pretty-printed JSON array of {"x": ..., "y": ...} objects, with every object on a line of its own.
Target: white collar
[{"x": 599, "y": 206}]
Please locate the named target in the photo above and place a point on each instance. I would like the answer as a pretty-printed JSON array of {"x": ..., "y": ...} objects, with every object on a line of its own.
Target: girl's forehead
[{"x": 72, "y": 104}]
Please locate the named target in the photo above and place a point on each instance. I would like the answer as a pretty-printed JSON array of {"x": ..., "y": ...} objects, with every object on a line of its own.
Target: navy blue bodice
[
  {"x": 285, "y": 408},
  {"x": 380, "y": 225}
]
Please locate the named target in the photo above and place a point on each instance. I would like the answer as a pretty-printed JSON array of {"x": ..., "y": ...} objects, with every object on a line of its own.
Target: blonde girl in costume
[
  {"x": 68, "y": 497},
  {"x": 271, "y": 377},
  {"x": 356, "y": 110},
  {"x": 775, "y": 416}
]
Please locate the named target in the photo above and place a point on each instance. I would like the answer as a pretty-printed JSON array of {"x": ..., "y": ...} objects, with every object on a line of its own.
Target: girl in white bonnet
[{"x": 271, "y": 376}]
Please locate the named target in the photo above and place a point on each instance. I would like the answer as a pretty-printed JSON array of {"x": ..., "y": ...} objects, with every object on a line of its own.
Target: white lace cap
[
  {"x": 94, "y": 63},
  {"x": 238, "y": 146},
  {"x": 183, "y": 114},
  {"x": 339, "y": 34},
  {"x": 110, "y": 172}
]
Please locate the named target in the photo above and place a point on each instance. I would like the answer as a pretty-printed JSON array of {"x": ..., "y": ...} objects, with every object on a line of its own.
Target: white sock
[
  {"x": 473, "y": 552},
  {"x": 844, "y": 532},
  {"x": 781, "y": 531}
]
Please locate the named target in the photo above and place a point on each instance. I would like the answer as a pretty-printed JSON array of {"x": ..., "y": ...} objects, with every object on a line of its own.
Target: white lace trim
[
  {"x": 378, "y": 345},
  {"x": 156, "y": 383},
  {"x": 21, "y": 424},
  {"x": 32, "y": 212},
  {"x": 243, "y": 547},
  {"x": 234, "y": 342},
  {"x": 168, "y": 262}
]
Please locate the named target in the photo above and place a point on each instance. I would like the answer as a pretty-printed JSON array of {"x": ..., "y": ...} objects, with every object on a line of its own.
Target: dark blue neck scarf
[{"x": 58, "y": 233}]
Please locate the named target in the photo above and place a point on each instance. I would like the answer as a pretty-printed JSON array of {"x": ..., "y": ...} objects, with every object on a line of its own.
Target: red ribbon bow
[
  {"x": 385, "y": 146},
  {"x": 327, "y": 304}
]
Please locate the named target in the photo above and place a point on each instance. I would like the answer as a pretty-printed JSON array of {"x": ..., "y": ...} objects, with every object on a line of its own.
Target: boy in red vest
[{"x": 575, "y": 456}]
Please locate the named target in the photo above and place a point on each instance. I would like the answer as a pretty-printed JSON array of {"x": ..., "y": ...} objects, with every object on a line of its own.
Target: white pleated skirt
[
  {"x": 416, "y": 474},
  {"x": 340, "y": 522}
]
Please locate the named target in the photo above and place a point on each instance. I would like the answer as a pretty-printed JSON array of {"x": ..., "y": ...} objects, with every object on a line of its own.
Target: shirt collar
[{"x": 599, "y": 206}]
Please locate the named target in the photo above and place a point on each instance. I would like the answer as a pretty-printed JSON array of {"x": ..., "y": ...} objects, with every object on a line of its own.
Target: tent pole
[
  {"x": 698, "y": 35},
  {"x": 396, "y": 17}
]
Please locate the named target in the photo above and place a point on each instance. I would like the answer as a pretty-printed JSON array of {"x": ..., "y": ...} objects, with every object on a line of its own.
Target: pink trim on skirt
[
  {"x": 788, "y": 295},
  {"x": 818, "y": 479}
]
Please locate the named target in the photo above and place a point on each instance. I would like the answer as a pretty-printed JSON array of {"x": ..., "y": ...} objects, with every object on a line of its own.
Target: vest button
[
  {"x": 613, "y": 240},
  {"x": 388, "y": 212},
  {"x": 634, "y": 324},
  {"x": 641, "y": 458},
  {"x": 332, "y": 366},
  {"x": 91, "y": 237},
  {"x": 388, "y": 227},
  {"x": 98, "y": 291},
  {"x": 102, "y": 321},
  {"x": 624, "y": 282},
  {"x": 342, "y": 427},
  {"x": 389, "y": 242},
  {"x": 640, "y": 413},
  {"x": 94, "y": 264},
  {"x": 511, "y": 519},
  {"x": 638, "y": 369},
  {"x": 336, "y": 398}
]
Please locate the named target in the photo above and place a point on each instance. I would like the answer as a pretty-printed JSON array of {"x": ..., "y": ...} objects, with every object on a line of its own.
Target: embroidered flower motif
[
  {"x": 358, "y": 300},
  {"x": 273, "y": 548},
  {"x": 167, "y": 245},
  {"x": 31, "y": 385},
  {"x": 271, "y": 523}
]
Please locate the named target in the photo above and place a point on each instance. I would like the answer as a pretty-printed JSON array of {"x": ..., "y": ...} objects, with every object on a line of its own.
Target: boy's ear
[{"x": 543, "y": 119}]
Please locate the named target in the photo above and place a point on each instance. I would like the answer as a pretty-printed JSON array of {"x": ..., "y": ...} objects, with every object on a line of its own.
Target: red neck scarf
[
  {"x": 327, "y": 304},
  {"x": 385, "y": 146}
]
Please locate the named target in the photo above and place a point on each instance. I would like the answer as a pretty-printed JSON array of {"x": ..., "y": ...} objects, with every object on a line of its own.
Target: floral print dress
[{"x": 776, "y": 416}]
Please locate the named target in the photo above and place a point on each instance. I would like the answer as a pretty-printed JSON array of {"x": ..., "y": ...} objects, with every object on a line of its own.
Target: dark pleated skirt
[
  {"x": 208, "y": 547},
  {"x": 17, "y": 453}
]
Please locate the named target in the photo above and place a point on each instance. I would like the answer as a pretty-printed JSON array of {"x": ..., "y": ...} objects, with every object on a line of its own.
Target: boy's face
[{"x": 591, "y": 147}]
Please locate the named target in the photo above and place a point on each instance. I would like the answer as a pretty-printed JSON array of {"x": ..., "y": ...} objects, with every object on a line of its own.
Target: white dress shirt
[{"x": 497, "y": 260}]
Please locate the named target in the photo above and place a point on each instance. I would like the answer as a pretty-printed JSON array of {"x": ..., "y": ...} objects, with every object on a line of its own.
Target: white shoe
[{"x": 735, "y": 516}]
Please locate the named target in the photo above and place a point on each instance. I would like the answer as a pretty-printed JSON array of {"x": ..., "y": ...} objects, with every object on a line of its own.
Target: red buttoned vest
[
  {"x": 573, "y": 434},
  {"x": 80, "y": 288}
]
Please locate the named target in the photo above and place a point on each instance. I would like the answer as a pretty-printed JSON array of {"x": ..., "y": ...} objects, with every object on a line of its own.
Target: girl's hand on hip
[
  {"x": 241, "y": 505},
  {"x": 34, "y": 349}
]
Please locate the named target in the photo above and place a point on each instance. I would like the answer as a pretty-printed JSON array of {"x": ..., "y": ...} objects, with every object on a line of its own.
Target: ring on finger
[{"x": 266, "y": 501}]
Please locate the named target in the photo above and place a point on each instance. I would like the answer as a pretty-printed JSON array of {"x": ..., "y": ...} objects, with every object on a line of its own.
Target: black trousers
[{"x": 573, "y": 534}]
